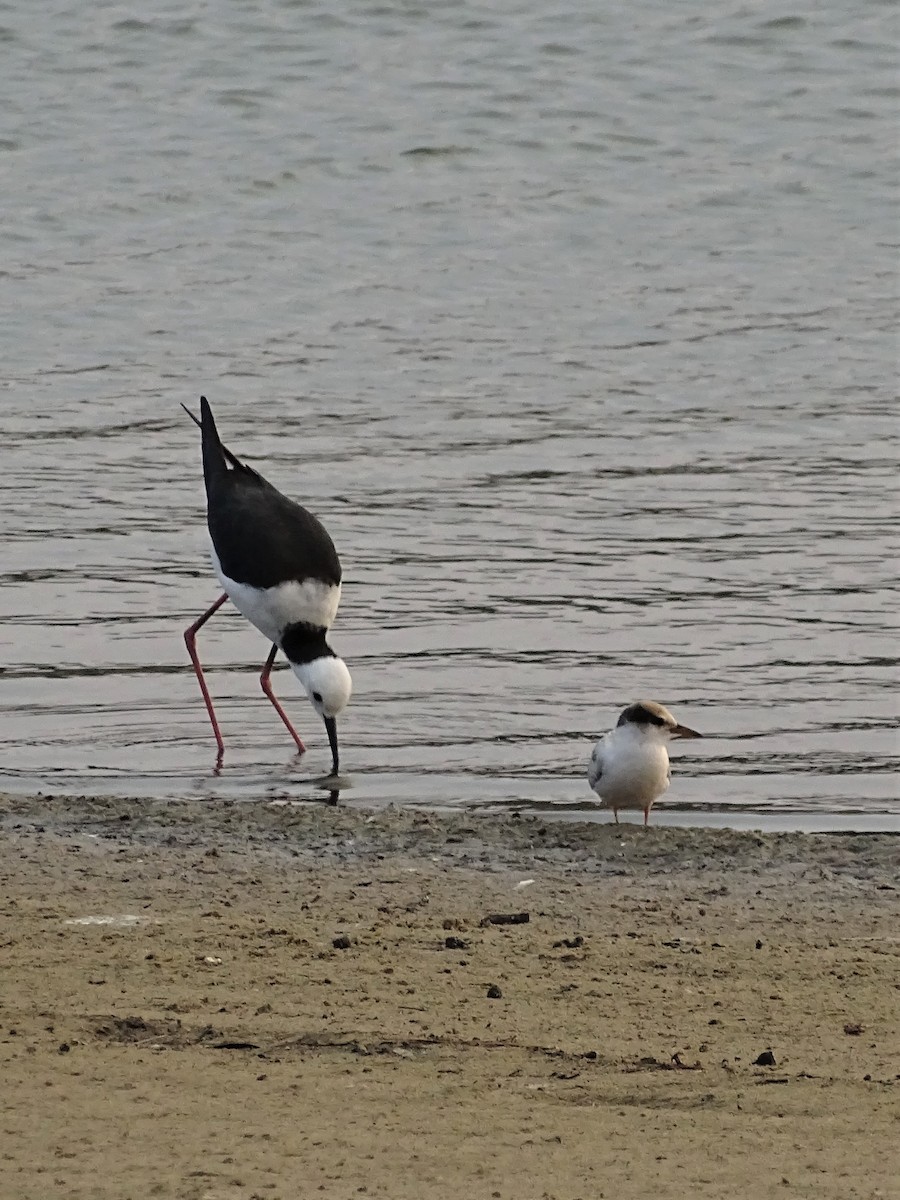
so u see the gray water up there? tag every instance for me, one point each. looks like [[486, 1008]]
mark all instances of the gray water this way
[[575, 324]]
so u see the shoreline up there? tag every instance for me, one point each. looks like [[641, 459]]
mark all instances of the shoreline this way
[[468, 838], [209, 1000]]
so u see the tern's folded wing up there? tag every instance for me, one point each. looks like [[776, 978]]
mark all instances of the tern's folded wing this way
[[595, 766]]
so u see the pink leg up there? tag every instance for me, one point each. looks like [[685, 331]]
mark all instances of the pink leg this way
[[646, 816], [190, 640], [267, 688]]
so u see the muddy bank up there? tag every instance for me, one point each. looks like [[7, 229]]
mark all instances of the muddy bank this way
[[218, 1001]]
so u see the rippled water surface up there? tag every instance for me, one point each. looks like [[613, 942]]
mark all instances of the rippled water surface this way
[[576, 326]]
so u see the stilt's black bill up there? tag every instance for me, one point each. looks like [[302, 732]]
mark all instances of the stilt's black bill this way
[[331, 726]]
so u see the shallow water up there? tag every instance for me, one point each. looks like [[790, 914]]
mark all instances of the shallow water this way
[[578, 331]]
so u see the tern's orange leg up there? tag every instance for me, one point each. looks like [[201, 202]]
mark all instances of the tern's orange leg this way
[[267, 688], [190, 640]]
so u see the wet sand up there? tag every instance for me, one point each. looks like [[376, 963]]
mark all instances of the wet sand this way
[[208, 1001]]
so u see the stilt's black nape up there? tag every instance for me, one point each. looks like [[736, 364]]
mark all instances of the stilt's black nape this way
[[331, 727]]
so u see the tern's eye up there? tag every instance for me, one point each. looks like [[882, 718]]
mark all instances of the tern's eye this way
[[317, 696]]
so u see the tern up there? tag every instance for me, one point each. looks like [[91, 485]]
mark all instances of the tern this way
[[629, 767], [278, 566]]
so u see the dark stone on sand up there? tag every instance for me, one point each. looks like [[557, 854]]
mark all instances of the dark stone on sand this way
[[519, 918]]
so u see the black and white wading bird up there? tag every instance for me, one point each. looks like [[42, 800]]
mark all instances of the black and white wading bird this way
[[279, 567], [629, 768]]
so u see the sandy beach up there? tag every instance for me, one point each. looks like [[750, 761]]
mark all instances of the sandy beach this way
[[207, 1001]]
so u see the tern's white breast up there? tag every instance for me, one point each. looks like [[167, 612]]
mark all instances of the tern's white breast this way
[[633, 770], [271, 610]]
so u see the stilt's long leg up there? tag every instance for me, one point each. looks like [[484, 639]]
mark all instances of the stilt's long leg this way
[[190, 640], [267, 688]]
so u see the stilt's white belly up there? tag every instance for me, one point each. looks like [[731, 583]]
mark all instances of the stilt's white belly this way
[[271, 610]]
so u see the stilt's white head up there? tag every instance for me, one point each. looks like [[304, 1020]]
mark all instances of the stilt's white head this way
[[327, 683]]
